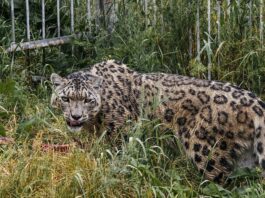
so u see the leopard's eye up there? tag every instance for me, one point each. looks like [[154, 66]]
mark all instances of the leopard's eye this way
[[65, 99], [89, 101]]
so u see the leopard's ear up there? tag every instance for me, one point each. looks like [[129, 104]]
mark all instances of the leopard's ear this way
[[98, 83], [57, 80], [55, 103], [95, 81]]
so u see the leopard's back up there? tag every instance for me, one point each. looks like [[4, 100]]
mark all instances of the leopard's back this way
[[216, 122]]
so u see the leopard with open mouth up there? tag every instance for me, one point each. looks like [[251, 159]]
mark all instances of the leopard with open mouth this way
[[217, 123]]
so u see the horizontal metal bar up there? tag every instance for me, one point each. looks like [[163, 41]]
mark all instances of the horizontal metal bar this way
[[42, 43], [38, 79]]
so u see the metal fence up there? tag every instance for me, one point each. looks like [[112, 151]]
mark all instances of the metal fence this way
[[32, 44], [153, 14]]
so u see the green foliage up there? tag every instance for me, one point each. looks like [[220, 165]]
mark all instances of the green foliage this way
[[2, 130], [8, 87], [152, 163]]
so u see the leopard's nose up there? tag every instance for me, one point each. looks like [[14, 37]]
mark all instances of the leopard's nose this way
[[76, 117]]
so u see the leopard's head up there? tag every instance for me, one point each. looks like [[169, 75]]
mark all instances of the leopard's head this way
[[79, 98]]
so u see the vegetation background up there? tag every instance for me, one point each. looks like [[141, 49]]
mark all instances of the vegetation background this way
[[158, 37]]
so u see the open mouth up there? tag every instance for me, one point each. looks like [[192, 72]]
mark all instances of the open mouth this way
[[74, 124]]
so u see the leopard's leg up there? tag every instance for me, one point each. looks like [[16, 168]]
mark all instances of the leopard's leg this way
[[259, 143], [115, 123], [209, 152], [212, 147]]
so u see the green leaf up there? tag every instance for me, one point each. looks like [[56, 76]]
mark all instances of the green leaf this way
[[2, 131], [244, 172], [215, 190]]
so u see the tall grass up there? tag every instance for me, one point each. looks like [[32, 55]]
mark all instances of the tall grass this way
[[151, 163]]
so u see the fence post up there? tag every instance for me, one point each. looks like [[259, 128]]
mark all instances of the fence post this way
[[218, 27], [190, 34], [97, 14], [209, 39], [113, 14], [250, 17], [43, 28], [261, 23], [228, 8], [28, 31], [72, 22], [228, 12], [198, 31], [88, 4], [72, 16], [58, 19], [155, 11], [13, 21], [13, 31], [146, 12], [161, 16], [109, 14]]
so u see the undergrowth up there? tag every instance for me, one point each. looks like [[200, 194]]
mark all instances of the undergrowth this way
[[149, 163]]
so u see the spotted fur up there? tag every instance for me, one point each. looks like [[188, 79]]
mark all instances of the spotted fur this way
[[216, 122]]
